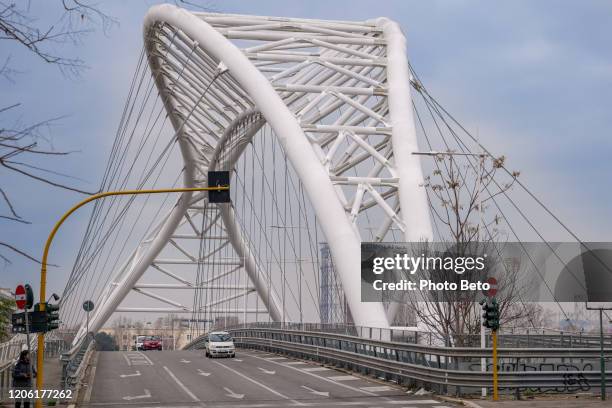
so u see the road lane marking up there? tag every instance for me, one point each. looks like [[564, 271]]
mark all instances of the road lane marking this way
[[378, 388], [205, 374], [91, 379], [145, 357], [263, 370], [185, 361], [127, 360], [136, 374], [275, 358], [296, 363], [265, 387], [147, 394], [343, 378], [320, 377], [313, 369], [232, 394], [180, 384], [315, 392], [415, 402]]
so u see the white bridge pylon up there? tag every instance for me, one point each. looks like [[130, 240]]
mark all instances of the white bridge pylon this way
[[336, 95]]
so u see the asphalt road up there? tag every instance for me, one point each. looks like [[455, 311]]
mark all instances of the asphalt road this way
[[252, 379]]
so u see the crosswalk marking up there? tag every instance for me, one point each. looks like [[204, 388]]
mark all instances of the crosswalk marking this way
[[137, 359]]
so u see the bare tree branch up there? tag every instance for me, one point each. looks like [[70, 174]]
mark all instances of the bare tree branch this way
[[77, 19], [18, 251], [5, 217], [8, 202], [23, 141], [25, 173]]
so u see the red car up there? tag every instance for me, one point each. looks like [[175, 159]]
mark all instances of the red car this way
[[152, 343]]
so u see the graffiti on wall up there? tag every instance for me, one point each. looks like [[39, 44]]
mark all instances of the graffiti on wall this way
[[573, 379]]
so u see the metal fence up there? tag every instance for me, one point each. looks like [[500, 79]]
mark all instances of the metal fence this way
[[9, 352], [75, 361], [455, 370], [511, 337]]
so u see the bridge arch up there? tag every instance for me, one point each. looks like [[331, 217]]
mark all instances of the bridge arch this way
[[209, 86]]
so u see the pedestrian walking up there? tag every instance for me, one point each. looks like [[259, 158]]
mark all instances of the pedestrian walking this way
[[22, 378]]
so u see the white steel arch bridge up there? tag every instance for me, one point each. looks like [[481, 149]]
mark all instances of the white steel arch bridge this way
[[315, 121], [334, 95]]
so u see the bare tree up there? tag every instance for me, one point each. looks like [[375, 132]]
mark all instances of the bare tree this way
[[77, 18], [23, 145], [460, 191]]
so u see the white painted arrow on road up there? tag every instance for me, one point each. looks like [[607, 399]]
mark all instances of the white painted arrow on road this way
[[233, 394], [147, 394], [315, 392], [136, 374], [185, 361], [263, 370], [205, 374]]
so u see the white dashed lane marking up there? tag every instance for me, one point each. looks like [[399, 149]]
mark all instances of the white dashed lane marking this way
[[343, 378], [378, 388]]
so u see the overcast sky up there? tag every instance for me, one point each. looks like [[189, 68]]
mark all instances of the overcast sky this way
[[533, 79]]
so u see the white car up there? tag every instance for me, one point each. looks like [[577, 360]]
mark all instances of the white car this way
[[138, 343], [218, 344]]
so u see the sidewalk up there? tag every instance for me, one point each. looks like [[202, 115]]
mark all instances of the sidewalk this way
[[53, 374], [52, 380]]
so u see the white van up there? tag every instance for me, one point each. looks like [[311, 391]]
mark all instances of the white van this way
[[218, 344], [139, 342]]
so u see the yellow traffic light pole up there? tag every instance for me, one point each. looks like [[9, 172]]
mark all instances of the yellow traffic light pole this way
[[495, 390], [43, 269]]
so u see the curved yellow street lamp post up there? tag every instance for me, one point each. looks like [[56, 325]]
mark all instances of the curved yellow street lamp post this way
[[43, 268]]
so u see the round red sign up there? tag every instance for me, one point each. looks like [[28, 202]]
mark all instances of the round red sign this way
[[20, 297], [492, 287]]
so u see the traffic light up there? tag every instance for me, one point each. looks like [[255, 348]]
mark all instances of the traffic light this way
[[52, 312], [18, 323], [218, 179], [37, 321], [29, 296], [491, 314]]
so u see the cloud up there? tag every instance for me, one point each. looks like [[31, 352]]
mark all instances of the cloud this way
[[533, 77]]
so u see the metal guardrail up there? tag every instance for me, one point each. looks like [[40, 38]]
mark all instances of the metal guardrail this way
[[556, 369], [508, 337], [10, 350], [74, 362]]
